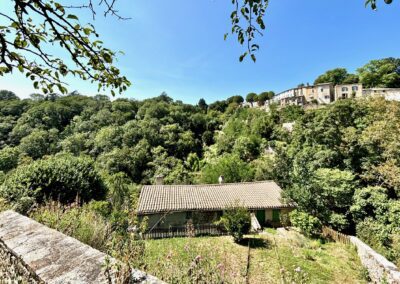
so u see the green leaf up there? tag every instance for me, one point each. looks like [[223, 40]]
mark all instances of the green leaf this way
[[242, 56], [87, 31], [107, 58], [72, 17]]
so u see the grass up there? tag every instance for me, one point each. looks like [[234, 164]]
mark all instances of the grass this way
[[77, 222], [276, 256], [272, 255], [4, 205], [170, 259]]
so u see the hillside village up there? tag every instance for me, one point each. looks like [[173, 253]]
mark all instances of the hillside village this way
[[323, 94]]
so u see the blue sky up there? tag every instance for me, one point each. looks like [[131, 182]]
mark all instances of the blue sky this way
[[177, 46]]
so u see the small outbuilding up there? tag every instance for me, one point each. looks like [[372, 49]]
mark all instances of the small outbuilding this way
[[169, 206]]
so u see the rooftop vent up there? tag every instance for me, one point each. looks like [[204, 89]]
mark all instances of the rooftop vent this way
[[159, 180]]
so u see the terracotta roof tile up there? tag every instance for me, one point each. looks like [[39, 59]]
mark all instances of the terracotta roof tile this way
[[209, 197]]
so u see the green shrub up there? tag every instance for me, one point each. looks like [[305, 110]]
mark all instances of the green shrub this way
[[100, 207], [377, 235], [8, 158], [78, 222], [381, 237], [237, 221], [3, 205], [119, 221], [285, 219], [309, 225], [61, 178]]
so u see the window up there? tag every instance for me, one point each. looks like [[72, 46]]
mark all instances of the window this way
[[326, 97], [354, 88], [345, 89], [322, 89], [188, 215]]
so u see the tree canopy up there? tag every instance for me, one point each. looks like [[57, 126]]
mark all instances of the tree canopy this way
[[335, 76], [383, 72]]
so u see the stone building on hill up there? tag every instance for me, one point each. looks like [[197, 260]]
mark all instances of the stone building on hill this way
[[326, 93]]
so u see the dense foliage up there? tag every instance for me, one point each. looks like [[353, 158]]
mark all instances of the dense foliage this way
[[306, 223], [62, 177], [376, 73], [340, 164], [237, 221]]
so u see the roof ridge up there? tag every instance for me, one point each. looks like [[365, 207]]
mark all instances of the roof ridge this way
[[212, 184]]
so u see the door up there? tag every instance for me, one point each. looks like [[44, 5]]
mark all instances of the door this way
[[276, 215], [261, 217]]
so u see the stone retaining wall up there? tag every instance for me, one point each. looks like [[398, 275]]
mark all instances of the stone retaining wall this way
[[33, 253], [12, 268], [379, 268]]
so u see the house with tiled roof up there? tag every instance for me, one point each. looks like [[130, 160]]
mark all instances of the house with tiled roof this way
[[174, 205]]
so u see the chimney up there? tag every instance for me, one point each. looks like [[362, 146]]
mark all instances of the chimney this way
[[221, 180], [159, 180]]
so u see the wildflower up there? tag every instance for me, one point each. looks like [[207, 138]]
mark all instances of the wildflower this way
[[298, 269], [197, 259]]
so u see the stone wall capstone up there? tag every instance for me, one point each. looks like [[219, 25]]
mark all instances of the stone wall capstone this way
[[380, 269], [33, 253]]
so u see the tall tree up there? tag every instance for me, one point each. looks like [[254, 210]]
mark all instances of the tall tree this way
[[202, 104], [351, 79], [8, 95], [251, 98], [335, 76], [235, 99], [264, 96], [381, 73]]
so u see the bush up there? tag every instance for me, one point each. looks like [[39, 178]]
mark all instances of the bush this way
[[100, 207], [61, 178], [237, 221], [78, 222], [375, 234], [285, 219], [309, 225], [381, 237], [8, 158]]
